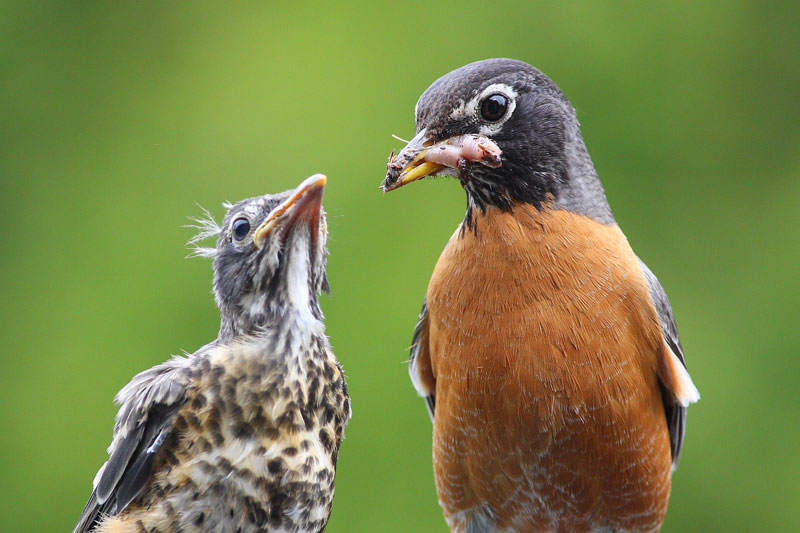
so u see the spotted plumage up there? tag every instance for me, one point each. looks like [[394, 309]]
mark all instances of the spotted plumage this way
[[546, 351], [242, 435]]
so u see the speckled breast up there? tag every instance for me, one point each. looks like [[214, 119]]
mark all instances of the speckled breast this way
[[256, 451]]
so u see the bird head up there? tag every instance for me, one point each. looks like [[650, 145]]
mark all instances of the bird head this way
[[508, 133], [269, 261]]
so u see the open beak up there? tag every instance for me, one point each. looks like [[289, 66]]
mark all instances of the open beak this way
[[422, 157], [305, 202]]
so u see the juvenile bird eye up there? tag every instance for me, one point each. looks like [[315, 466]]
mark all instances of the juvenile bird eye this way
[[240, 227], [494, 107]]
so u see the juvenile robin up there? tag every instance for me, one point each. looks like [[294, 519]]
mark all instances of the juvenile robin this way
[[242, 435], [546, 350]]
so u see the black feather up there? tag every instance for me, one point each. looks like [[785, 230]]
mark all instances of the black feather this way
[[422, 323], [117, 463], [430, 401], [137, 474], [675, 414], [129, 467], [89, 516]]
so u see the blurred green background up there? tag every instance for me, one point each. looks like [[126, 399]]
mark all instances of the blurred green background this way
[[117, 120]]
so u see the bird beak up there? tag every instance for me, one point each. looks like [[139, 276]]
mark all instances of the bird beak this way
[[422, 157], [410, 164], [305, 201]]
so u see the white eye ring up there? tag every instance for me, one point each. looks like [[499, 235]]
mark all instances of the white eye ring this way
[[506, 91]]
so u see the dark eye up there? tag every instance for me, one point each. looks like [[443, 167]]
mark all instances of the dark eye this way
[[240, 228], [494, 107]]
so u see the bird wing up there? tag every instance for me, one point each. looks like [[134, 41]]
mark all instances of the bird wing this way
[[145, 419], [419, 364], [675, 400]]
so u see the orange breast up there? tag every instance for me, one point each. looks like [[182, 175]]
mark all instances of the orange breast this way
[[544, 342]]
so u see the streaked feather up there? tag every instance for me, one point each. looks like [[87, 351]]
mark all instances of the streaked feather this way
[[149, 404]]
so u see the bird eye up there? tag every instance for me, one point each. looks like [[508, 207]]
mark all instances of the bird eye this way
[[240, 228], [494, 107]]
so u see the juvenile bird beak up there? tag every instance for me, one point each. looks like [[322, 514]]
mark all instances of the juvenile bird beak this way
[[422, 157], [305, 202]]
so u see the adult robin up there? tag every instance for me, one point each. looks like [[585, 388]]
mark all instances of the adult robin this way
[[546, 350], [242, 435]]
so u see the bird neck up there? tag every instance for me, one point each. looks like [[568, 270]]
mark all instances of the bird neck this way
[[287, 303], [581, 191], [565, 181], [293, 349]]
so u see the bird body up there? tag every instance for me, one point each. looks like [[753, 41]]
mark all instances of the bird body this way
[[247, 453], [241, 436], [546, 350]]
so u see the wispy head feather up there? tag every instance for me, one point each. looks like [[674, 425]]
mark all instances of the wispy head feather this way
[[207, 227]]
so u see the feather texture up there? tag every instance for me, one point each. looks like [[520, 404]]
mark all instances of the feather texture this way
[[545, 348], [149, 404], [207, 228]]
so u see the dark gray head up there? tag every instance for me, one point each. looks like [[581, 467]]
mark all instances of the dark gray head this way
[[505, 106], [269, 262]]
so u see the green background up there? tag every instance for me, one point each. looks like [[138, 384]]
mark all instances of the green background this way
[[116, 120]]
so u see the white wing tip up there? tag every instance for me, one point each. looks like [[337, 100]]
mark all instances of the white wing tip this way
[[678, 380]]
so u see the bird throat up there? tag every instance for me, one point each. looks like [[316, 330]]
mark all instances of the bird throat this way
[[287, 304]]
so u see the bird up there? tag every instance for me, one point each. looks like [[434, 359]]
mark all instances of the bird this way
[[242, 435], [546, 350]]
